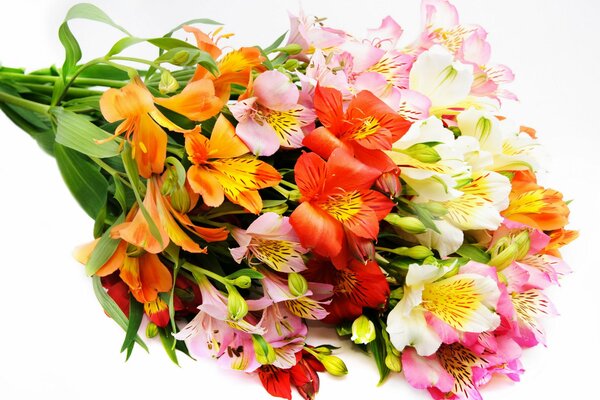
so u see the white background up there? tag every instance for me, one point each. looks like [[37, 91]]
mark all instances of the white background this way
[[55, 341]]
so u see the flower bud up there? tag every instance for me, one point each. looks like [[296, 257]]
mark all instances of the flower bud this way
[[389, 183], [236, 305], [265, 354], [436, 209], [291, 49], [363, 330], [167, 84], [323, 350], [392, 361], [170, 182], [334, 365], [423, 153], [243, 282], [408, 224], [151, 330], [291, 64], [418, 252], [502, 256], [180, 58], [180, 200], [523, 243], [297, 284]]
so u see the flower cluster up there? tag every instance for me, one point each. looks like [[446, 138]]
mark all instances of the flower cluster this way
[[370, 183]]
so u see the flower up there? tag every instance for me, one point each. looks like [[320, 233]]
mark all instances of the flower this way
[[270, 239], [338, 215], [355, 287], [223, 168], [142, 121], [272, 117], [168, 223], [433, 308], [364, 129]]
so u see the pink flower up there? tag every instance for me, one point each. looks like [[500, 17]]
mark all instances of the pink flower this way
[[271, 240], [272, 117], [285, 332]]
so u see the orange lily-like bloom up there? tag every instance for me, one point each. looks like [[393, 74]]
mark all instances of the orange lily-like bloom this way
[[145, 275], [339, 214], [169, 223], [534, 205], [223, 168], [142, 121], [234, 67]]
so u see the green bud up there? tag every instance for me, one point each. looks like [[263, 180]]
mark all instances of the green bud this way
[[180, 58], [334, 365], [392, 361], [170, 183], [502, 256], [265, 354], [180, 200], [151, 330], [436, 209], [294, 195], [291, 49], [323, 350], [236, 305], [419, 252], [297, 284], [363, 330], [291, 64], [408, 224], [167, 84], [243, 282], [423, 153]]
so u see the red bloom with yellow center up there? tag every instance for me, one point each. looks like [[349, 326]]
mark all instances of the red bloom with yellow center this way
[[223, 168], [135, 106], [367, 127], [355, 287], [339, 214]]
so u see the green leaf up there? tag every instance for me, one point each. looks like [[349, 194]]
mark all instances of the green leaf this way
[[132, 174], [83, 178], [101, 71], [77, 133], [425, 217], [379, 351], [104, 250], [246, 271], [72, 50], [169, 344], [112, 309], [190, 22], [136, 313], [24, 119], [120, 194], [92, 13], [275, 44], [474, 253], [164, 43]]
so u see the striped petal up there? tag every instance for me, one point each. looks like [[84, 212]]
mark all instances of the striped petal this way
[[530, 307]]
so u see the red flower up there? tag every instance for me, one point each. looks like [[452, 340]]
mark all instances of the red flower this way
[[359, 285], [339, 215], [303, 376], [366, 128]]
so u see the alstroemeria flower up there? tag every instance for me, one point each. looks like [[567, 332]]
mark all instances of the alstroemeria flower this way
[[271, 240], [432, 305], [234, 67], [145, 275], [365, 128], [278, 382], [272, 117], [309, 305], [223, 168], [354, 288], [536, 206], [142, 121], [285, 332], [169, 223], [339, 214], [306, 31], [212, 333]]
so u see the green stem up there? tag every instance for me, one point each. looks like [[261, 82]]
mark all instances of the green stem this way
[[40, 79], [289, 184], [73, 92], [115, 174], [282, 191], [199, 270], [140, 61], [27, 104]]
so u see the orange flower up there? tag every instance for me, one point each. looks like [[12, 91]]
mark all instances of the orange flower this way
[[223, 168], [234, 67], [145, 275], [558, 239], [142, 121], [168, 221], [535, 206]]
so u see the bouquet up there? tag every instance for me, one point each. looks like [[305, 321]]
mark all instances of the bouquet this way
[[372, 186]]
